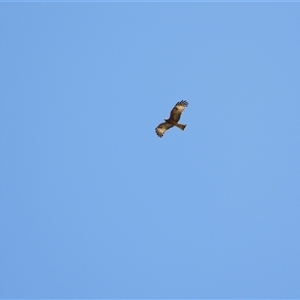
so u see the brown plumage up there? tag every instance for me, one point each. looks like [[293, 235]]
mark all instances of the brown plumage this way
[[173, 119]]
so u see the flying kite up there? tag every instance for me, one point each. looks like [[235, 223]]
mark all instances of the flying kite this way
[[173, 119]]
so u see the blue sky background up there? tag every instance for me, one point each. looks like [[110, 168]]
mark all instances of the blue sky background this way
[[95, 205]]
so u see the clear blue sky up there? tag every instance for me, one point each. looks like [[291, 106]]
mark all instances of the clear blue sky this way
[[95, 205]]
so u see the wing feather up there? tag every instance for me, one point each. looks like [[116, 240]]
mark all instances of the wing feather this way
[[162, 128], [177, 110]]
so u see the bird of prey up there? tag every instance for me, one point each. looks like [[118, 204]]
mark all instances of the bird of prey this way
[[173, 119]]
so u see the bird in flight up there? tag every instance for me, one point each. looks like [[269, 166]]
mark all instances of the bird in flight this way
[[173, 119]]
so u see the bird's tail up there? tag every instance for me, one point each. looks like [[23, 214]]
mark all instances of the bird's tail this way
[[181, 126]]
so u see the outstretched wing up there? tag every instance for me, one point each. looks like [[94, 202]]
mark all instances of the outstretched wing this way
[[177, 110], [162, 128]]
